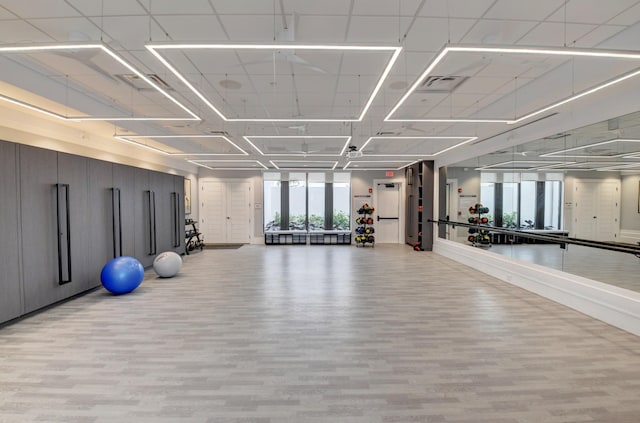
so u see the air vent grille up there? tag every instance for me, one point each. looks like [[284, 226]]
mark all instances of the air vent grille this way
[[440, 84], [139, 84]]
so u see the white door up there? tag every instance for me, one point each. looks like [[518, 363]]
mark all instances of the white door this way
[[597, 210], [225, 212], [387, 214]]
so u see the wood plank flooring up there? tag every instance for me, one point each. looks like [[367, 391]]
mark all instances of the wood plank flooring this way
[[318, 334]]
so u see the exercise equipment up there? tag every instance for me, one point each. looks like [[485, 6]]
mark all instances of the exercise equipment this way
[[122, 275], [167, 264]]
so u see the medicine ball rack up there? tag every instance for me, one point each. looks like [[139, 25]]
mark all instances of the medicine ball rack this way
[[365, 229], [479, 236]]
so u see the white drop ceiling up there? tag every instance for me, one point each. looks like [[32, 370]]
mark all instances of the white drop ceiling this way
[[292, 84]]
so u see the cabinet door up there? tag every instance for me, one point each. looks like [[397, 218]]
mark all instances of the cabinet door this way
[[10, 299], [162, 187], [103, 218], [72, 171], [124, 180], [145, 244], [178, 184], [38, 176]]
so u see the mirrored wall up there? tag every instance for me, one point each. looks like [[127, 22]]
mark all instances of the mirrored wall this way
[[582, 184]]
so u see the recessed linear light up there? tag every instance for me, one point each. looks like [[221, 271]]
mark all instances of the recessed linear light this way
[[112, 54], [495, 165], [131, 139], [248, 138], [465, 141], [273, 162], [200, 163], [535, 51], [153, 48], [582, 147], [405, 163]]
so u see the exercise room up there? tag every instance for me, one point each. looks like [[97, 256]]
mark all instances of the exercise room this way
[[296, 211]]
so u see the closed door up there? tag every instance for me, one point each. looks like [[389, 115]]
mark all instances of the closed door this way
[[387, 214], [597, 210], [224, 211]]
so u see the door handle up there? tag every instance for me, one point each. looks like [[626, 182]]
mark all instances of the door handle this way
[[67, 222], [387, 218], [116, 222]]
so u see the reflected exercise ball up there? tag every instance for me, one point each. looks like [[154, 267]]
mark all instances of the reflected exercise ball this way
[[167, 264], [122, 275]]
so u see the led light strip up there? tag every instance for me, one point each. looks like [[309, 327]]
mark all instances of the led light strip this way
[[112, 54], [379, 161], [548, 163], [535, 51], [131, 139], [248, 138], [154, 49], [466, 140], [302, 168], [200, 163], [582, 147]]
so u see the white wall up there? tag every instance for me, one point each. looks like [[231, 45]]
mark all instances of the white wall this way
[[629, 213]]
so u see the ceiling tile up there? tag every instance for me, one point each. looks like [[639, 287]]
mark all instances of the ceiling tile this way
[[108, 8], [69, 29], [39, 8], [172, 7], [193, 28], [132, 32], [553, 34], [321, 29], [249, 28], [431, 34], [497, 32], [21, 32], [531, 10], [243, 7], [375, 29], [456, 8], [315, 7], [591, 11], [598, 35], [629, 17], [5, 14], [385, 7]]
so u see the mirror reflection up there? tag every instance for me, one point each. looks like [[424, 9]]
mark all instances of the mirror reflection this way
[[582, 184]]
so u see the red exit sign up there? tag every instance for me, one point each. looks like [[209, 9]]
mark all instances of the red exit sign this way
[[389, 173]]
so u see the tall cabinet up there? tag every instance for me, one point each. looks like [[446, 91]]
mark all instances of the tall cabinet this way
[[10, 286], [64, 216]]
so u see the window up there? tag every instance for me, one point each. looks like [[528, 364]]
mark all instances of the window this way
[[528, 204], [297, 201], [272, 201], [487, 198], [341, 201], [553, 205], [309, 200], [510, 200]]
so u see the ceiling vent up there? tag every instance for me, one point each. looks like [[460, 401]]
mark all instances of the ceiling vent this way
[[139, 84], [557, 136], [440, 84], [386, 133]]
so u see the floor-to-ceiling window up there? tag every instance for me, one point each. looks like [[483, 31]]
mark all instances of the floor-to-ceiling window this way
[[300, 201]]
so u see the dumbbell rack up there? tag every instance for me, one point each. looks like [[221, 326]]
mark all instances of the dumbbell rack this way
[[365, 229], [479, 237]]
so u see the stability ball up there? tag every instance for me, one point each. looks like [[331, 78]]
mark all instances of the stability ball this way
[[122, 275], [167, 264]]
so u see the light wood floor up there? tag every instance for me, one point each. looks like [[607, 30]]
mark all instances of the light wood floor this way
[[318, 334]]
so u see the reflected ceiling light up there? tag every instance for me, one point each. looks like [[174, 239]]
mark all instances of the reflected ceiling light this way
[[248, 139], [465, 140], [111, 53], [131, 139], [582, 147], [273, 162], [500, 166], [201, 164], [155, 48], [404, 164], [612, 54]]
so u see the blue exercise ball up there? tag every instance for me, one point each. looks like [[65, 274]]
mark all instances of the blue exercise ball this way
[[122, 275]]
